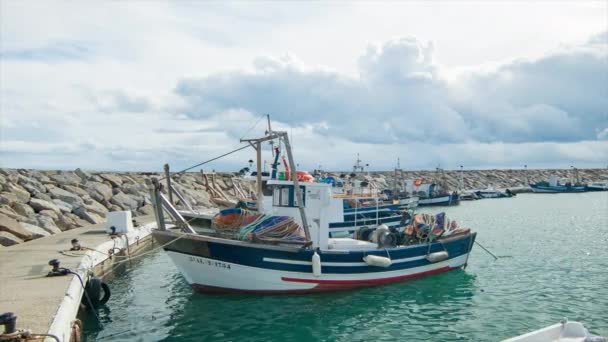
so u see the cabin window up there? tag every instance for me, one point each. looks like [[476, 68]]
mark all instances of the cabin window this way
[[276, 197], [284, 196]]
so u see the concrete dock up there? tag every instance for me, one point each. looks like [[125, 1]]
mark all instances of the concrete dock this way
[[50, 304]]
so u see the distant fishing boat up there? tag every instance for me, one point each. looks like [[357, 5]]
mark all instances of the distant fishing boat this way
[[290, 251], [494, 193], [468, 195], [597, 186], [569, 331], [554, 185], [435, 193]]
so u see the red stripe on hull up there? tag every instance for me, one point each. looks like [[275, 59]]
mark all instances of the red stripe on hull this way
[[367, 282], [322, 285]]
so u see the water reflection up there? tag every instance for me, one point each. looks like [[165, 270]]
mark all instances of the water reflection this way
[[433, 303]]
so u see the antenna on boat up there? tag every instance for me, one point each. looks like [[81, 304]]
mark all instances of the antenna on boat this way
[[271, 142]]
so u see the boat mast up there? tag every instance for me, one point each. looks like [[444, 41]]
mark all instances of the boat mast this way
[[294, 177], [257, 144]]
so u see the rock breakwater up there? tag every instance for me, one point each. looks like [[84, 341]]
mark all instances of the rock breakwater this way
[[35, 204]]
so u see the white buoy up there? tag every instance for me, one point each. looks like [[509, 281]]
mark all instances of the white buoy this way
[[437, 256], [316, 265], [375, 260]]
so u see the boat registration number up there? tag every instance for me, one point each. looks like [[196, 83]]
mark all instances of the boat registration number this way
[[213, 263]]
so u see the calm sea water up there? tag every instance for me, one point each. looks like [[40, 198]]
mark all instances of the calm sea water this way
[[553, 264]]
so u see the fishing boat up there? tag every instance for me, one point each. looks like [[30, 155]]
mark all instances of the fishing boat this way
[[439, 199], [436, 193], [563, 331], [555, 185], [290, 250], [494, 193], [597, 186], [468, 195]]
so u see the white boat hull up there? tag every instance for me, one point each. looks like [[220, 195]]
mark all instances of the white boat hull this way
[[209, 275], [561, 332]]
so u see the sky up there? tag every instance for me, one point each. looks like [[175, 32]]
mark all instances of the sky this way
[[132, 85]]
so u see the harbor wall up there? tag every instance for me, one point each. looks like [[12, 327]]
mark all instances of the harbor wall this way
[[497, 178], [35, 203]]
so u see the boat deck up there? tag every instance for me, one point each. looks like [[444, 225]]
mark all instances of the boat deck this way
[[26, 291]]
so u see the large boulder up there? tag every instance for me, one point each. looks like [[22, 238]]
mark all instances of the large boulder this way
[[77, 220], [10, 212], [82, 174], [40, 205], [113, 179], [126, 202], [36, 231], [22, 195], [50, 213], [75, 190], [67, 222], [134, 189], [8, 198], [95, 207], [45, 197], [40, 177], [31, 184], [88, 216], [8, 239], [47, 224], [23, 209], [66, 196], [63, 207], [99, 191], [10, 225], [147, 209], [96, 178], [66, 178]]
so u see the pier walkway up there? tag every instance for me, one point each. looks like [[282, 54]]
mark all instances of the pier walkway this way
[[50, 304]]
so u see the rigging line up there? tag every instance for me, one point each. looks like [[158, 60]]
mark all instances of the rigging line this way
[[252, 127], [208, 161]]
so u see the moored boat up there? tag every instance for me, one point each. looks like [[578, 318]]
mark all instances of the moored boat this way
[[290, 251], [554, 185], [564, 331], [440, 199], [597, 186], [494, 193]]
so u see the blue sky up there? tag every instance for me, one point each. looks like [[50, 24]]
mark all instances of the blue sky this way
[[132, 85]]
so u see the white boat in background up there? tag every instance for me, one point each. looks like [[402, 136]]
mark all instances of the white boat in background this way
[[493, 193], [564, 331], [597, 186]]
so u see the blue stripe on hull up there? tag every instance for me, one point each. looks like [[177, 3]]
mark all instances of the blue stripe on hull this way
[[359, 223], [373, 208], [254, 257], [557, 189], [450, 200]]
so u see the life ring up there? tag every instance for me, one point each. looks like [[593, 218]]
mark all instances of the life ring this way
[[418, 182]]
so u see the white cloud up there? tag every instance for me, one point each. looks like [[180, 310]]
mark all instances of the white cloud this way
[[175, 82]]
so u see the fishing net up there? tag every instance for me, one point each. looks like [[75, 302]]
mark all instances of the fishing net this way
[[246, 225]]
